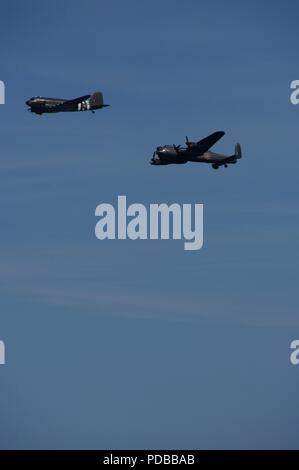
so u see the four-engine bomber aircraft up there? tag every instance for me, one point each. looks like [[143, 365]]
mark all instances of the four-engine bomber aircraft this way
[[196, 152], [40, 105]]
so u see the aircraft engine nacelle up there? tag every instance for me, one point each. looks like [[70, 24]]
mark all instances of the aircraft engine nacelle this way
[[84, 106]]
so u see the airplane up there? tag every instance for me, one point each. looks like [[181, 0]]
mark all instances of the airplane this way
[[40, 104], [196, 152]]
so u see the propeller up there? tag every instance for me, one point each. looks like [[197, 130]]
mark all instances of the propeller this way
[[176, 147], [188, 143]]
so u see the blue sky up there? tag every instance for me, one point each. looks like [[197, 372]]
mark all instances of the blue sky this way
[[123, 344]]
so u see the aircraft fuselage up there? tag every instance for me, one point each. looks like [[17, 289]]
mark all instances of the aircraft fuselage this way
[[40, 104], [172, 154]]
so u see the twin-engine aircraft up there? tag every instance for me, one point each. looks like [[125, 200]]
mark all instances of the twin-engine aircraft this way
[[40, 105], [196, 152]]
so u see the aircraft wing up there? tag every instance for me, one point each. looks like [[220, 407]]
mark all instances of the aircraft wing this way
[[71, 103], [208, 142]]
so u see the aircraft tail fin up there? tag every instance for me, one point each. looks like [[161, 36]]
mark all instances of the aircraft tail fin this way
[[238, 151], [97, 100]]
